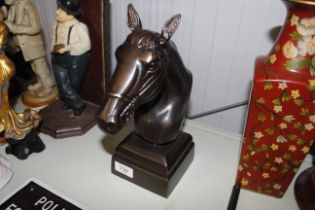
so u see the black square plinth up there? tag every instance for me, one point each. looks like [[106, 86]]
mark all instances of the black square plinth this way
[[157, 168]]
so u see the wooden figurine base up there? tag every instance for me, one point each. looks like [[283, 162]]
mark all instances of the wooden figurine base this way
[[157, 168], [60, 123], [31, 99], [304, 189]]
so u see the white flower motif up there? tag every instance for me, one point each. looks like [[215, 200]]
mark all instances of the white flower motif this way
[[277, 186], [305, 149], [312, 118], [277, 108], [292, 148], [307, 46], [311, 82], [265, 175], [309, 126], [244, 182], [258, 135], [295, 94], [278, 160], [282, 85], [274, 147], [306, 27]]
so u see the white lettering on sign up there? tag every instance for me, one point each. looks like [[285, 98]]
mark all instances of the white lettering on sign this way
[[46, 204], [124, 169], [13, 207]]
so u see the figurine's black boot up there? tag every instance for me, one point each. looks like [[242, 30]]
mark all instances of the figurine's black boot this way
[[65, 107], [78, 111], [24, 147]]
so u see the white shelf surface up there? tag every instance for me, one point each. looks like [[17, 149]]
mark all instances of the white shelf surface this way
[[80, 167]]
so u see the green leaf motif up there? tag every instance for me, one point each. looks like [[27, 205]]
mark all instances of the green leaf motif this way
[[286, 97], [288, 118], [292, 137], [261, 117], [300, 142], [272, 116], [295, 36], [296, 64], [276, 101], [255, 168], [250, 148], [298, 101], [281, 139], [246, 157], [298, 125], [268, 85], [277, 48], [271, 130], [260, 101], [312, 70], [305, 112], [286, 156], [266, 166], [264, 147], [311, 89], [287, 166]]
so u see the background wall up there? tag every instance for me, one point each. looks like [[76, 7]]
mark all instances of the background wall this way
[[218, 41]]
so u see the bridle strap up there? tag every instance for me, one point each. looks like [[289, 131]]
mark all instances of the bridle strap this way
[[120, 96]]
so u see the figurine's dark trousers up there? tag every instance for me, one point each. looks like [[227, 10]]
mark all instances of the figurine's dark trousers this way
[[69, 72]]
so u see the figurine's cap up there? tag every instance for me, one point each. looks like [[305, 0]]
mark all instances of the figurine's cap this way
[[71, 7]]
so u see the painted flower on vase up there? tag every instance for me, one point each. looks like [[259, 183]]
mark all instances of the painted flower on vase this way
[[312, 118], [306, 26], [294, 20], [289, 50], [306, 46], [282, 85], [295, 94], [272, 58]]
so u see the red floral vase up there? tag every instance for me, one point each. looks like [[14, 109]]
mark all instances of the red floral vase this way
[[280, 127]]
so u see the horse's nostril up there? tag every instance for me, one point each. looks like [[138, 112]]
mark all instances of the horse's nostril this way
[[110, 127]]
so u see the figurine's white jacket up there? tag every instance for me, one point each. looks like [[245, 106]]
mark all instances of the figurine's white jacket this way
[[79, 39], [27, 29]]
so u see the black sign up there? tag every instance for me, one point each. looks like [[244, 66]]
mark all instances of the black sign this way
[[35, 197]]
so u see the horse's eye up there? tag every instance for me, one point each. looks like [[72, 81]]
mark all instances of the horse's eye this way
[[153, 63]]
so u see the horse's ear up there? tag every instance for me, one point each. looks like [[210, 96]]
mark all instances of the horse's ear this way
[[169, 28], [134, 21]]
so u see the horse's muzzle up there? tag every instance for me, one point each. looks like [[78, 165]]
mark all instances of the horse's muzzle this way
[[109, 119], [108, 124]]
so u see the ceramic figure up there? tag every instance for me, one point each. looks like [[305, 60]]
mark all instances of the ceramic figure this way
[[23, 21], [70, 54]]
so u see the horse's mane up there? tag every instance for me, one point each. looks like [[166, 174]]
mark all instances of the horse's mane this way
[[144, 39]]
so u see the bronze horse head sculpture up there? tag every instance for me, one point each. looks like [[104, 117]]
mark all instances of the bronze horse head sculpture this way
[[150, 81]]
